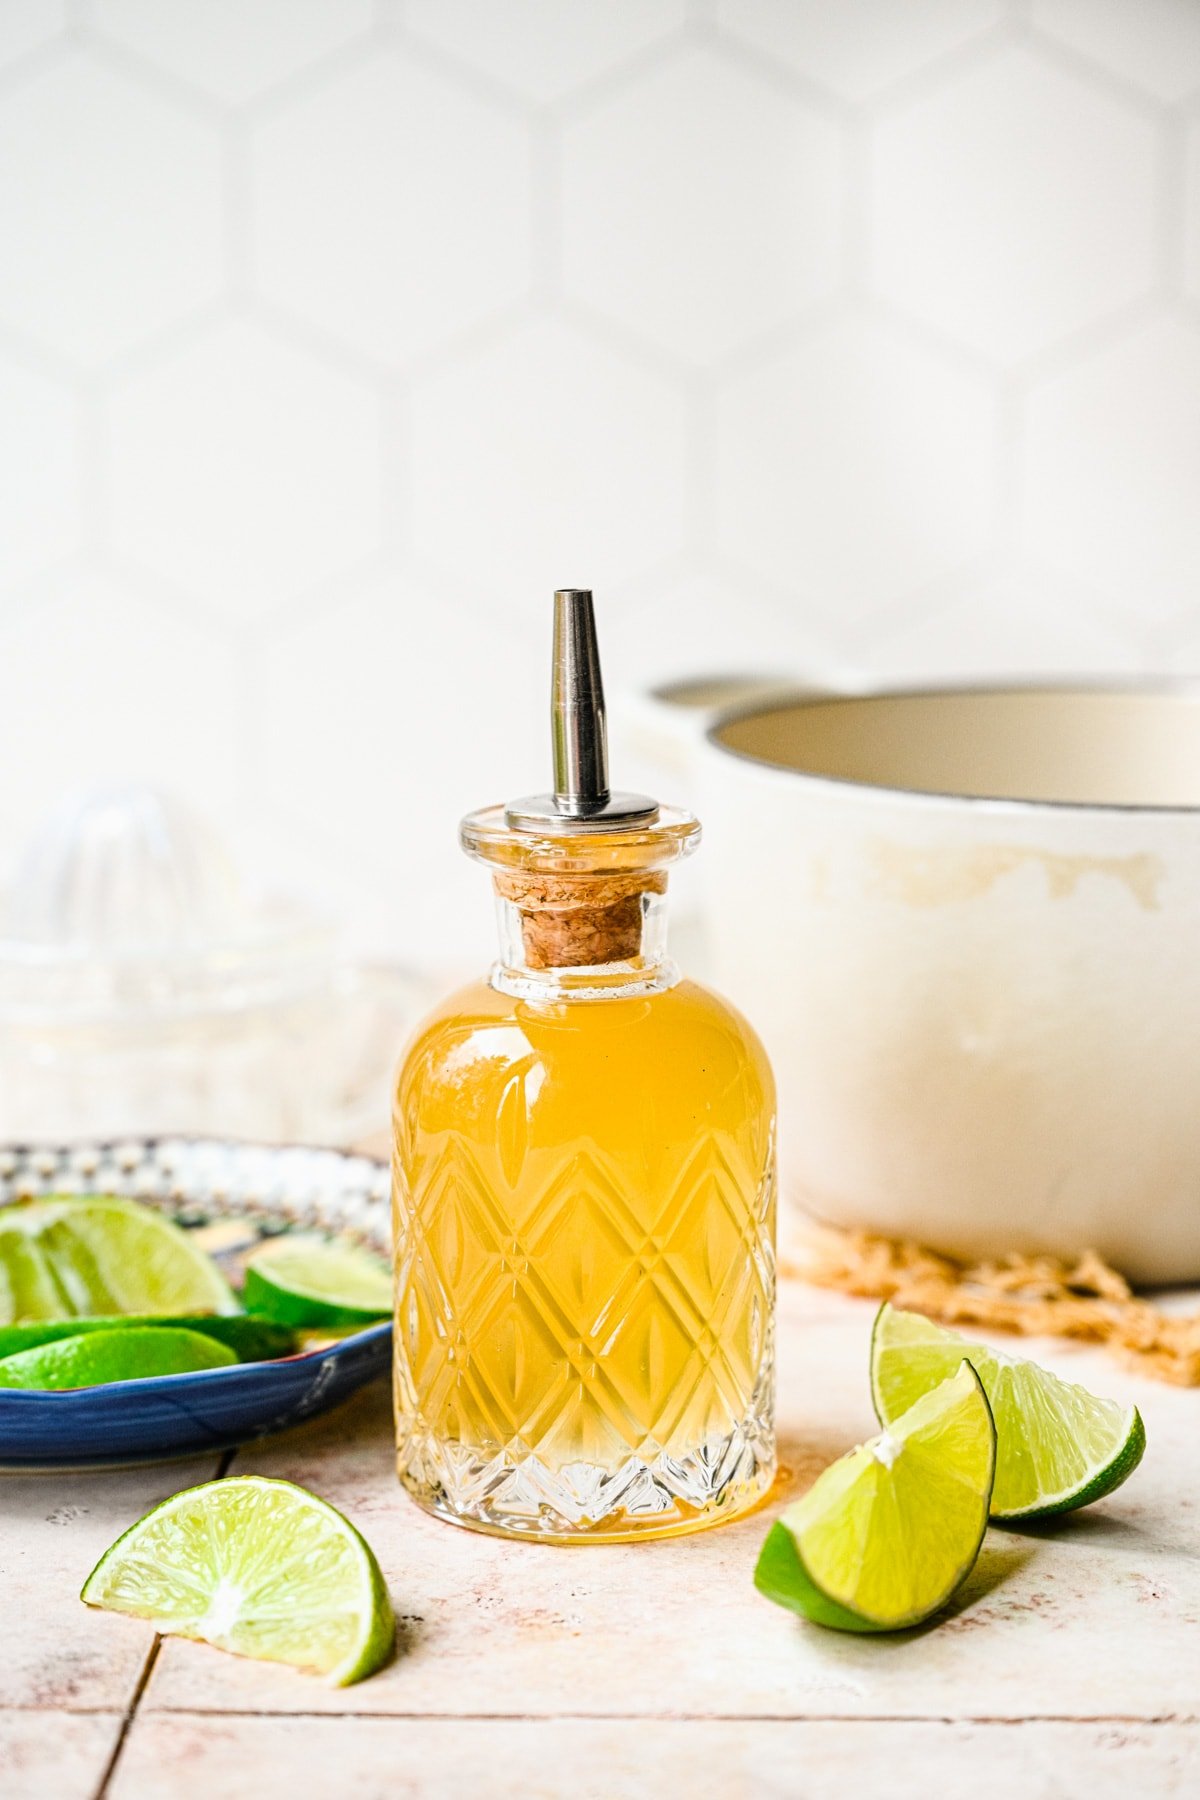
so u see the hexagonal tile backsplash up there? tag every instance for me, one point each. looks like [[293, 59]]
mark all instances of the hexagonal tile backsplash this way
[[857, 339]]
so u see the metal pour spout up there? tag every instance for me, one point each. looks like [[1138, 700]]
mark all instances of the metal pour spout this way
[[578, 722], [582, 799]]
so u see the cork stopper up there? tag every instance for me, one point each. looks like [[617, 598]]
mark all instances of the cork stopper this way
[[579, 921]]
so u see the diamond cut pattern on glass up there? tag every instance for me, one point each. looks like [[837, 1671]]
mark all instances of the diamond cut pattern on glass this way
[[578, 1210], [559, 1427]]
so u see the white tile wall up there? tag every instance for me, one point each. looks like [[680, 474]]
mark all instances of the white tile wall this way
[[855, 467], [546, 447], [243, 471], [1014, 206], [738, 231], [858, 48], [110, 209], [389, 208], [335, 334]]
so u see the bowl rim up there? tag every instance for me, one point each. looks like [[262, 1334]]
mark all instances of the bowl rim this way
[[799, 697]]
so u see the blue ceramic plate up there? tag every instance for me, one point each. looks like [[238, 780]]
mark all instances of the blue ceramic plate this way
[[232, 1195]]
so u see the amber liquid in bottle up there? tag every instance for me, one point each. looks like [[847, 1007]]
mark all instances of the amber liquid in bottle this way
[[584, 1216]]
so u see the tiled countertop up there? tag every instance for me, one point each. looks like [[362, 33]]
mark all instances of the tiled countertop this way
[[1070, 1663]]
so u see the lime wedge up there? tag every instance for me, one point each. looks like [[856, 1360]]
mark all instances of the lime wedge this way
[[1058, 1447], [305, 1280], [885, 1535], [67, 1256], [120, 1355], [251, 1340], [258, 1567]]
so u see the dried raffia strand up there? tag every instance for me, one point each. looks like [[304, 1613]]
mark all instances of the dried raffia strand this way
[[1035, 1296], [579, 921]]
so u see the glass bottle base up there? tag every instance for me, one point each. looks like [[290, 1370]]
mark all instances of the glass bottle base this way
[[583, 1503]]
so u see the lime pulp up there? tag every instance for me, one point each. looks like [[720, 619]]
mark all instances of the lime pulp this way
[[258, 1567], [304, 1280], [68, 1256], [887, 1533], [1059, 1447]]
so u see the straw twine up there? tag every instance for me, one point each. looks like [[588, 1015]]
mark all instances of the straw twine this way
[[1035, 1296]]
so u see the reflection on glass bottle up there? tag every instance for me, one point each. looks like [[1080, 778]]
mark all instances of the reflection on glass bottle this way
[[584, 1187]]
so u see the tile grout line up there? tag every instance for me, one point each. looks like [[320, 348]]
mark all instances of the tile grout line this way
[[1160, 1721], [110, 1768], [171, 1711]]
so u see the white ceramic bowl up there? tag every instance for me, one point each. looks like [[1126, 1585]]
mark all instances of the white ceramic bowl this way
[[966, 924]]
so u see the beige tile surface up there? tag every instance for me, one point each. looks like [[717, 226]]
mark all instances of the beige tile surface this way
[[1096, 1619], [1067, 1666], [394, 1759], [54, 1756], [53, 1528]]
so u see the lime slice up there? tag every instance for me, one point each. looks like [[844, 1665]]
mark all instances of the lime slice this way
[[251, 1340], [258, 1567], [67, 1256], [305, 1280], [121, 1355], [885, 1535], [1058, 1447]]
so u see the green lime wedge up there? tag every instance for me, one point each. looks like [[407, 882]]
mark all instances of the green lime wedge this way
[[70, 1256], [1058, 1447], [305, 1280], [258, 1567], [122, 1355], [885, 1535], [251, 1340]]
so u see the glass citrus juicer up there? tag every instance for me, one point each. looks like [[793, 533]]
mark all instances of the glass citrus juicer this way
[[146, 990], [584, 1184]]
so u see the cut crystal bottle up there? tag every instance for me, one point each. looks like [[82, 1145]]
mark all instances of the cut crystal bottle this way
[[584, 1187]]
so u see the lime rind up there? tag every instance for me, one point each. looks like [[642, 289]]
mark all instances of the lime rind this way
[[1060, 1447], [781, 1575], [251, 1340], [258, 1567], [887, 1533], [95, 1359]]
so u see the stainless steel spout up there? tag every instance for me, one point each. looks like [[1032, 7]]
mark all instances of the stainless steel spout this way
[[582, 799], [578, 722]]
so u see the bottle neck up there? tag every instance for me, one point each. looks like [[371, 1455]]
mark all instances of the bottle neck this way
[[589, 939], [583, 912]]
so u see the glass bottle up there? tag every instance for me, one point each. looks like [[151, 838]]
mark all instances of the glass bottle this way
[[584, 1186]]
